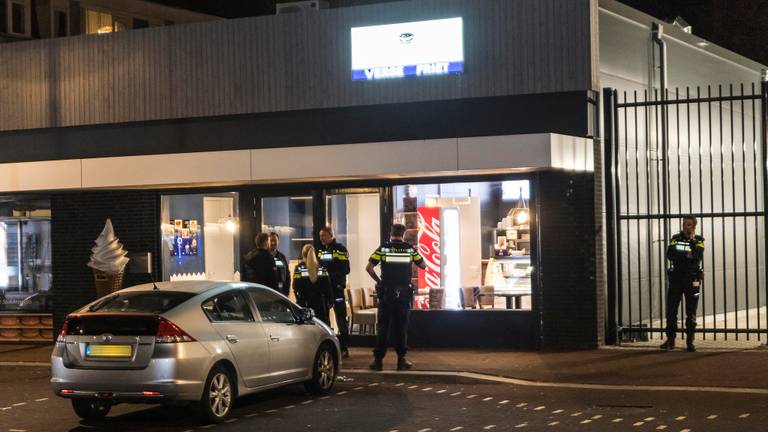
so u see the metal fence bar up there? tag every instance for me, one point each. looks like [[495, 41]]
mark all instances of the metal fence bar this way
[[704, 286], [685, 101], [744, 204], [763, 154], [757, 218]]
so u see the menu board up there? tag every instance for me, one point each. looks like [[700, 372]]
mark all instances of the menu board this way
[[185, 237]]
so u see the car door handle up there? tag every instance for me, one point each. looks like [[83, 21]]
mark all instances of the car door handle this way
[[232, 339], [274, 338]]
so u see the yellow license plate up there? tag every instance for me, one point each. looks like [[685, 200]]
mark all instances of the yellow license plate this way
[[110, 351]]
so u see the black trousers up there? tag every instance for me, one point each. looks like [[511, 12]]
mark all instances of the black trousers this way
[[679, 288], [340, 310], [392, 316], [318, 304]]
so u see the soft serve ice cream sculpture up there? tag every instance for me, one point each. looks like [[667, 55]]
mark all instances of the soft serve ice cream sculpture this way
[[108, 254]]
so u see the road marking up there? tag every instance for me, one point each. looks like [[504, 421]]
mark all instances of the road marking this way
[[661, 427], [271, 411], [457, 428], [425, 430], [358, 388], [522, 404], [681, 418], [649, 419], [324, 397], [373, 384], [597, 417], [521, 425], [455, 394], [426, 389], [289, 406], [504, 402], [413, 387], [441, 391], [394, 430], [341, 393], [539, 408], [40, 400], [207, 426], [17, 430], [487, 399], [585, 421], [399, 384], [489, 427], [638, 424], [712, 417], [251, 415], [576, 414], [745, 415], [19, 404], [554, 423], [557, 411], [685, 430], [307, 402], [471, 396], [5, 408], [231, 420], [617, 420]]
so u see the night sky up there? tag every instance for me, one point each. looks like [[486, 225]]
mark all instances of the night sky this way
[[739, 25]]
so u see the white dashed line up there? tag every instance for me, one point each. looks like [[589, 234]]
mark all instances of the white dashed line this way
[[341, 393], [504, 402], [425, 430], [455, 394], [394, 430], [19, 404], [617, 420], [597, 417], [231, 420], [638, 424], [681, 418], [358, 388], [413, 387], [554, 423], [685, 430], [487, 399], [306, 402], [5, 408], [585, 421], [745, 415], [521, 425], [661, 427], [539, 408], [712, 417], [648, 419], [576, 414], [399, 385], [426, 389], [251, 415], [520, 405], [441, 391], [17, 430], [40, 400], [324, 397], [207, 426], [558, 411], [489, 427], [457, 428], [289, 406], [471, 396], [188, 430], [271, 411], [373, 384]]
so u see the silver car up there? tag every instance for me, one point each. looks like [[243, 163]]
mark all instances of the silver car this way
[[172, 342]]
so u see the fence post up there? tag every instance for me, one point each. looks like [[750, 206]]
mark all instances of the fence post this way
[[763, 148], [609, 173]]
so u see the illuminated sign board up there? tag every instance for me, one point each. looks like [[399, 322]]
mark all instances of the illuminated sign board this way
[[418, 48]]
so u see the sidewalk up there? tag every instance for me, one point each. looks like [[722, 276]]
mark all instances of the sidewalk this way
[[647, 366]]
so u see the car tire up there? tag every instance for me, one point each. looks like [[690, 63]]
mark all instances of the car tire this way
[[218, 395], [91, 409], [323, 372]]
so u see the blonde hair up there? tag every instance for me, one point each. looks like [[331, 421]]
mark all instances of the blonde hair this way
[[310, 259]]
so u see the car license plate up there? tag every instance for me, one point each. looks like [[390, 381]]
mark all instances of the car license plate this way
[[108, 351]]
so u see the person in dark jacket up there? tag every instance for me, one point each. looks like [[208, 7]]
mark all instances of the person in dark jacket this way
[[259, 265], [686, 253], [281, 264], [335, 258], [312, 284]]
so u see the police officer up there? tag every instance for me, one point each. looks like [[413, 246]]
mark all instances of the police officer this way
[[312, 284], [334, 257], [686, 253], [259, 266], [395, 294], [283, 276]]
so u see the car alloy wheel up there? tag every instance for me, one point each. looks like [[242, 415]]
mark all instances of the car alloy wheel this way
[[220, 395], [325, 370]]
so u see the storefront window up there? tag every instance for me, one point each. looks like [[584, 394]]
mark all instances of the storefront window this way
[[199, 237], [476, 240], [355, 219], [291, 219]]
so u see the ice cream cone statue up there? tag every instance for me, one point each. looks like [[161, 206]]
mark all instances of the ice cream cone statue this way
[[108, 261]]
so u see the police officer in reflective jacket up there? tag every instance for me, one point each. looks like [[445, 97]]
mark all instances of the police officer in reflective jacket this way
[[395, 294], [312, 284], [282, 273], [335, 258], [686, 253]]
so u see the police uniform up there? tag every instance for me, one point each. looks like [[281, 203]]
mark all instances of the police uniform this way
[[395, 294], [685, 278], [335, 259], [316, 295], [282, 274]]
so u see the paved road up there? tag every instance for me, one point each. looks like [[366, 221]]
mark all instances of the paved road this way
[[390, 403]]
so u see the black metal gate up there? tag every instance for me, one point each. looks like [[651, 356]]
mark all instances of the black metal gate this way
[[699, 151]]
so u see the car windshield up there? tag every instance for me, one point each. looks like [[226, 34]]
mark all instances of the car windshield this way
[[141, 301]]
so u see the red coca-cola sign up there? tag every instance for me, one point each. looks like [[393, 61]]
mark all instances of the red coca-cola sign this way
[[429, 246]]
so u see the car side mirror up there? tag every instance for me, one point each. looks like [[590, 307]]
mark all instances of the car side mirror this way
[[307, 315]]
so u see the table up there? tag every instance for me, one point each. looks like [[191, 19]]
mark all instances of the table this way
[[509, 297]]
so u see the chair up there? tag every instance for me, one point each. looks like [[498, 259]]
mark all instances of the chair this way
[[437, 298], [369, 298], [360, 316], [468, 299], [486, 297]]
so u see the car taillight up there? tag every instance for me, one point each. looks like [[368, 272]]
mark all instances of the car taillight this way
[[168, 332], [63, 333]]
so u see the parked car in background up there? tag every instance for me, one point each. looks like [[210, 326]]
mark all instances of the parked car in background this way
[[199, 341]]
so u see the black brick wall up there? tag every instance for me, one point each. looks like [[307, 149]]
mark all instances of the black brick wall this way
[[570, 301], [77, 219]]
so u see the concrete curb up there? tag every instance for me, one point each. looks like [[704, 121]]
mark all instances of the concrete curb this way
[[27, 364], [476, 378]]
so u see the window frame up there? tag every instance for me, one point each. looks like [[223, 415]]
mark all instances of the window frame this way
[[26, 18], [54, 22], [243, 296], [294, 308]]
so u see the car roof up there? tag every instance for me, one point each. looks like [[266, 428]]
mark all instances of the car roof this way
[[194, 287]]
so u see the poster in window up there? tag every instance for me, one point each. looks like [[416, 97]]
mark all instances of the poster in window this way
[[185, 237]]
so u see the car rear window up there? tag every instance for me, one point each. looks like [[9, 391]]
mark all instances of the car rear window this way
[[141, 302]]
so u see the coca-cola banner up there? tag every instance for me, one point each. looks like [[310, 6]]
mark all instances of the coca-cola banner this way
[[429, 246]]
